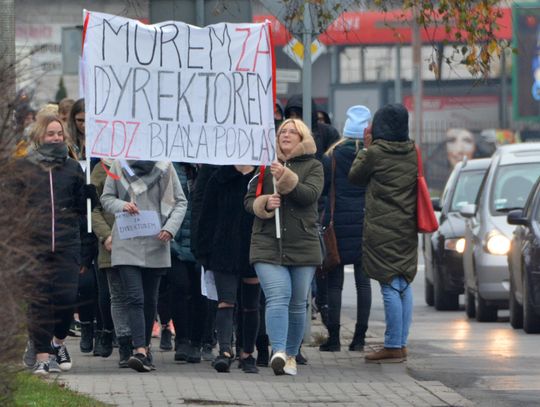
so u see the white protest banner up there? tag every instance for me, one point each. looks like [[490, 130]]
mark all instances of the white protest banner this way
[[145, 223], [173, 91]]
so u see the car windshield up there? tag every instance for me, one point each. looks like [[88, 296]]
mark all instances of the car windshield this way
[[512, 186], [466, 189]]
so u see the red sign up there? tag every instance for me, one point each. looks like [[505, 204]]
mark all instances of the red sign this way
[[377, 28]]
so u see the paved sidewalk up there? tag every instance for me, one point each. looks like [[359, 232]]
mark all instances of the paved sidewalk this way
[[330, 379]]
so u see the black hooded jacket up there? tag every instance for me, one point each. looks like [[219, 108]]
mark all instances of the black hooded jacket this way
[[324, 134]]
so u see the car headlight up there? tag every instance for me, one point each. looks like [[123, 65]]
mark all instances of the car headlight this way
[[457, 245], [497, 243]]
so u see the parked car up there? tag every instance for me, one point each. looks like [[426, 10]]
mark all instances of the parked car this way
[[524, 264], [512, 173], [443, 249]]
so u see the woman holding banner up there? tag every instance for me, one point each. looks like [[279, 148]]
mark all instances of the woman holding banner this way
[[152, 191], [285, 266]]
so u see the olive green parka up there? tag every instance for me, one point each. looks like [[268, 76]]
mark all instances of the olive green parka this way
[[390, 241], [300, 187]]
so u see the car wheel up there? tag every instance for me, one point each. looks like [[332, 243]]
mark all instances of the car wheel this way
[[444, 301], [531, 321], [516, 310], [428, 292], [484, 312], [470, 308]]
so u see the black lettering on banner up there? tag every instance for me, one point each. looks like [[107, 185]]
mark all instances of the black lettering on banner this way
[[212, 34], [116, 32], [228, 143], [155, 131], [108, 91], [266, 89], [162, 96], [253, 146], [250, 99], [237, 95], [264, 147], [181, 145], [206, 99], [189, 51], [217, 137], [221, 90], [189, 143], [161, 43], [121, 86], [144, 43], [182, 96], [139, 89], [202, 136], [242, 134], [113, 136]]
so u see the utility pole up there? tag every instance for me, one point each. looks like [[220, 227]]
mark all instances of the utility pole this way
[[417, 79], [306, 71]]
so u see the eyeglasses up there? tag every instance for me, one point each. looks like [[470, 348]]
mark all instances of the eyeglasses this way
[[291, 131]]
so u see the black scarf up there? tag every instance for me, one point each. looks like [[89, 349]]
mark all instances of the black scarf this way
[[141, 168], [49, 154]]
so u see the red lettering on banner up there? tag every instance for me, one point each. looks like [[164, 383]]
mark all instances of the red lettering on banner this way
[[94, 152], [114, 123], [238, 68], [258, 51], [137, 124]]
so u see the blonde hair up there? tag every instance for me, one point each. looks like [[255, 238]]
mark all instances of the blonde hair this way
[[40, 127], [331, 149], [49, 109], [300, 126]]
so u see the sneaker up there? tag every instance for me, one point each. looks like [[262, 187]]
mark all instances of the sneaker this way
[[53, 365], [106, 343], [87, 337], [194, 355], [165, 343], [41, 368], [222, 363], [29, 357], [207, 353], [385, 355], [62, 357], [150, 358], [290, 366], [140, 363], [98, 344], [277, 363], [182, 352], [248, 365]]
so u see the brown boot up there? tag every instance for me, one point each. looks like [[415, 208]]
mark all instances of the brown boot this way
[[404, 352], [385, 355]]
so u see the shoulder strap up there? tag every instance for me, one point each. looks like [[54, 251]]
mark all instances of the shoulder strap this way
[[333, 189]]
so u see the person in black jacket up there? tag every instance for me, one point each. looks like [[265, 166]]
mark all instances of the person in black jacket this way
[[325, 135], [224, 239], [55, 187], [348, 225]]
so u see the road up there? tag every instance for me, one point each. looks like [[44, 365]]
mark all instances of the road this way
[[490, 364]]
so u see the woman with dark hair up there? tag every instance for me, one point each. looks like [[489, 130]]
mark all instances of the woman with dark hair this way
[[142, 260], [388, 168], [76, 128], [55, 187]]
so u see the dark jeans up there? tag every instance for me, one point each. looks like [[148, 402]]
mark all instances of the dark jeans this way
[[87, 297], [141, 285], [55, 295], [104, 300], [334, 281], [181, 300]]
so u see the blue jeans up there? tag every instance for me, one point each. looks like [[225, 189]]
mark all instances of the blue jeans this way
[[286, 290], [398, 306], [119, 307]]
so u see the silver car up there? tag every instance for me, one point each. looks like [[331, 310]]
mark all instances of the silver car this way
[[513, 171]]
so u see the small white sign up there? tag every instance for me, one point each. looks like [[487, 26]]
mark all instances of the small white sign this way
[[145, 223], [208, 284], [288, 75]]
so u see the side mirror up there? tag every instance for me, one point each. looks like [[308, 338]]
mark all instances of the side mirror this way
[[468, 211], [436, 203], [515, 217]]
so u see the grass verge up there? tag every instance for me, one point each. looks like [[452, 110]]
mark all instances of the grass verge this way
[[33, 391]]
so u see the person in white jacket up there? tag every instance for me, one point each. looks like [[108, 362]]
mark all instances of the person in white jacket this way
[[135, 186]]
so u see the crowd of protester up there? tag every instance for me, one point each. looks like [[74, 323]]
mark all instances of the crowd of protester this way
[[218, 222]]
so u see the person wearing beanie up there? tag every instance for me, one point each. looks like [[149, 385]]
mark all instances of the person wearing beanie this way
[[388, 168], [348, 226]]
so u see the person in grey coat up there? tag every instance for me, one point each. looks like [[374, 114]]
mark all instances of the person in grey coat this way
[[141, 260]]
